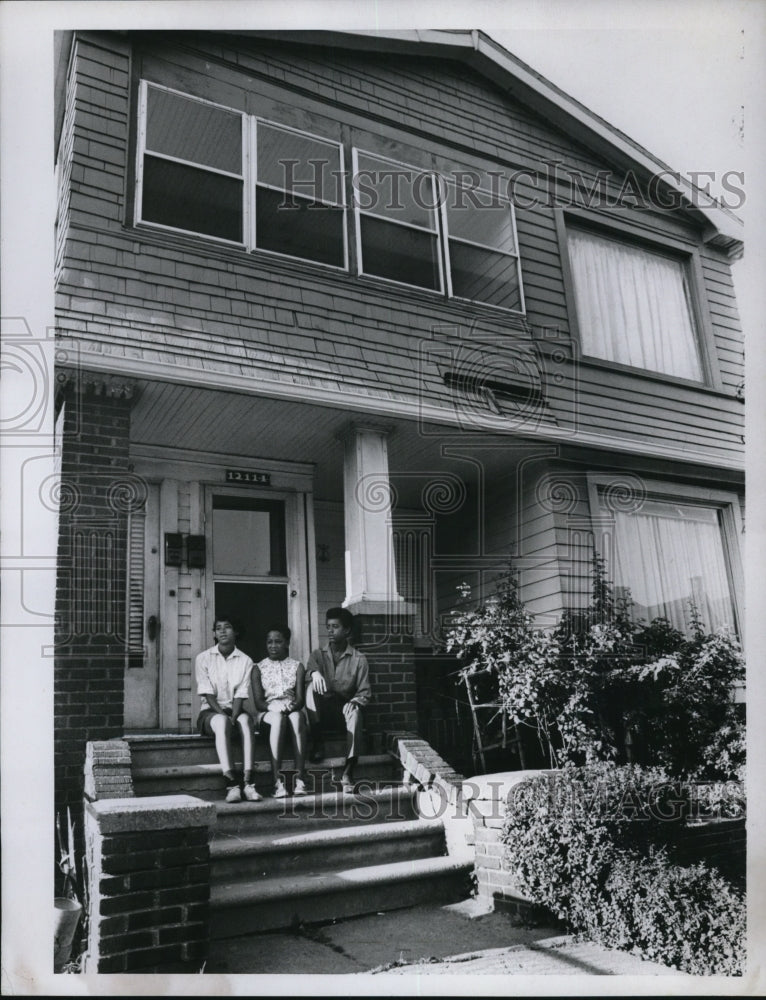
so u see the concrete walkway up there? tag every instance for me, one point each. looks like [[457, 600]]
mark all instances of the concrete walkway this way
[[425, 940]]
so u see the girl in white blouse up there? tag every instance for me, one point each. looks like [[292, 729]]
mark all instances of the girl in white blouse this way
[[278, 690]]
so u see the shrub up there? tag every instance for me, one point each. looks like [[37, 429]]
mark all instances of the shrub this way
[[603, 686], [689, 918], [587, 844]]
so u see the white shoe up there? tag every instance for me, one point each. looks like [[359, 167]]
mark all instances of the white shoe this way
[[234, 794], [280, 792], [347, 786], [300, 787], [251, 794]]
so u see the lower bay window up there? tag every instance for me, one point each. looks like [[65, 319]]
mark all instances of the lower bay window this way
[[672, 548]]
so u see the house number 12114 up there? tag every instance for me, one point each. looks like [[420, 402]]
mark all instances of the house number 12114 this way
[[245, 476]]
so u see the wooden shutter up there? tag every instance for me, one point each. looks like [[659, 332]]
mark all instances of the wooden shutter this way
[[134, 611]]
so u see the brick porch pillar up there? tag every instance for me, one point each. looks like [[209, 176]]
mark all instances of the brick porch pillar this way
[[387, 641], [384, 621], [97, 493]]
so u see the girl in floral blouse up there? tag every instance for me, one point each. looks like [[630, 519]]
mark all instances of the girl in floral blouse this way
[[278, 690]]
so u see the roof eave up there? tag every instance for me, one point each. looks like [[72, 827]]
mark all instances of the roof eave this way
[[722, 228]]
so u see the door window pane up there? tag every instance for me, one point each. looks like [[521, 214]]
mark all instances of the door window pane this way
[[248, 537]]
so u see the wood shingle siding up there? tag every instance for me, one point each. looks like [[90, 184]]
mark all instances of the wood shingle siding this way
[[189, 302]]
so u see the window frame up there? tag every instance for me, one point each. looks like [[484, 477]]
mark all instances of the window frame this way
[[666, 244], [358, 212], [440, 181], [248, 177], [141, 151], [725, 502], [255, 121], [516, 253]]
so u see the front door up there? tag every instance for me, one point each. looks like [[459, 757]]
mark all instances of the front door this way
[[258, 568]]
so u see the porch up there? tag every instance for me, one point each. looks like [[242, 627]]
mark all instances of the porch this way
[[279, 509]]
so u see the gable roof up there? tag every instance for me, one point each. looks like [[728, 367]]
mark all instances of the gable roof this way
[[723, 228]]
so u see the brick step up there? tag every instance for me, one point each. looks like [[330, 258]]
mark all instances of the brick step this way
[[192, 748], [236, 858], [331, 810], [241, 907], [206, 781]]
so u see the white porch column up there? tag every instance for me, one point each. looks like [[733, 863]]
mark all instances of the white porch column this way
[[370, 569]]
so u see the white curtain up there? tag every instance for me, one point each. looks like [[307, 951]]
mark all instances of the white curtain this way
[[632, 306], [669, 554]]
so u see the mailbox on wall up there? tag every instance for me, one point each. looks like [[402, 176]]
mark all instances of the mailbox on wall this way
[[174, 549], [195, 551]]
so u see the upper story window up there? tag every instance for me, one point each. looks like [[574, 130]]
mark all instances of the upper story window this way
[[299, 207], [482, 250], [218, 173], [633, 305], [212, 171], [397, 222], [190, 166]]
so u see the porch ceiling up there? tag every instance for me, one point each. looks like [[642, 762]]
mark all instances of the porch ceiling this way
[[245, 427]]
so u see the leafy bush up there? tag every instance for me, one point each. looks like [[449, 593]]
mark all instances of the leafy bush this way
[[587, 844], [603, 686]]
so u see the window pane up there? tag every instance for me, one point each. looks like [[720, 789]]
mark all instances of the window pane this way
[[241, 542], [309, 231], [399, 253], [632, 306], [670, 555], [298, 163], [188, 130], [484, 276], [473, 215], [195, 200], [390, 191], [248, 537]]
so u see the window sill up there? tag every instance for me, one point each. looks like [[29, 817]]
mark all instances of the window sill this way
[[650, 376]]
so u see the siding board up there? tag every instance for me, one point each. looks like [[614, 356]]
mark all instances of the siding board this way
[[206, 305]]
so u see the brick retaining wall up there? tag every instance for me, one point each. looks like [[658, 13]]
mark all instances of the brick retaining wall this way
[[148, 884], [719, 842]]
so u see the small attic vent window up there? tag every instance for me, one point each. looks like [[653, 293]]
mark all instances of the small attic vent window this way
[[496, 392]]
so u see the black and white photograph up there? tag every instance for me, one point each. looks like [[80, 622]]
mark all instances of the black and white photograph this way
[[377, 450]]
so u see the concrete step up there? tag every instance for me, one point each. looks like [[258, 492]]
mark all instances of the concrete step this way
[[332, 810], [206, 782], [241, 907], [236, 858], [156, 750]]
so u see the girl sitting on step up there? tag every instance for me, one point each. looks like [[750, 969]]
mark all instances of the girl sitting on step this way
[[278, 692]]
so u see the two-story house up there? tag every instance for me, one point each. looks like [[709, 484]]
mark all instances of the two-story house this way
[[346, 318]]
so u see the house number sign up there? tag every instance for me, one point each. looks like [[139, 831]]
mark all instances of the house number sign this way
[[246, 476]]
